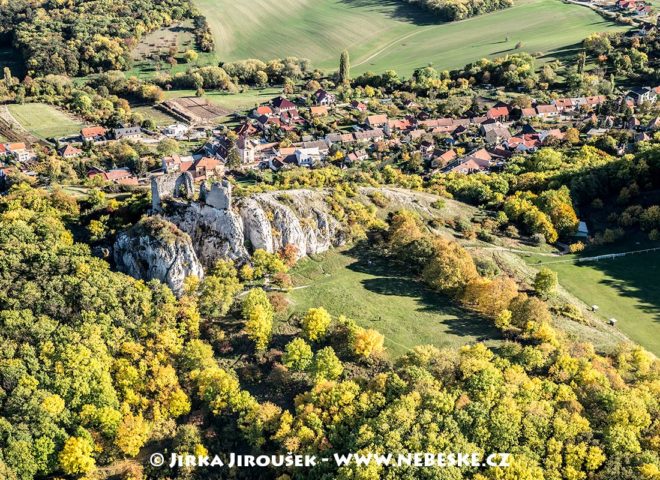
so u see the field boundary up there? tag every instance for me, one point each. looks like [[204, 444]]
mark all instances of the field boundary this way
[[606, 256]]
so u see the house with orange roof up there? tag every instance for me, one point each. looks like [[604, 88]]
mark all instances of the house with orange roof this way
[[69, 152], [19, 151], [93, 134]]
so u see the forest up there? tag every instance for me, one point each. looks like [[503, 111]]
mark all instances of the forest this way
[[453, 10], [78, 38]]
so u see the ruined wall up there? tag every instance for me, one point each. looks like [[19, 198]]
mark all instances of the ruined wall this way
[[171, 185], [219, 196]]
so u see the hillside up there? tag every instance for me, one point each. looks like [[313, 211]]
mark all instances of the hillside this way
[[391, 35]]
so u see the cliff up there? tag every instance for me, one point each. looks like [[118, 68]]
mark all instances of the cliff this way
[[265, 221], [192, 235], [156, 249]]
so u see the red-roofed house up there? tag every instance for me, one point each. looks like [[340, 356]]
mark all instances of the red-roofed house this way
[[69, 152], [375, 121], [500, 113], [19, 151], [93, 134], [359, 106], [262, 110], [441, 161], [119, 176], [564, 104], [319, 111], [282, 104], [547, 111]]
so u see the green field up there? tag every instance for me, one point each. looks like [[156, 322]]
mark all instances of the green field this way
[[148, 112], [236, 101], [43, 120], [625, 288], [365, 288], [391, 35]]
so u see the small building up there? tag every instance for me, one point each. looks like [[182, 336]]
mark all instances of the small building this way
[[359, 106], [582, 231], [93, 134], [321, 97], [176, 130], [69, 152], [19, 151], [306, 157], [375, 121], [127, 132], [642, 94]]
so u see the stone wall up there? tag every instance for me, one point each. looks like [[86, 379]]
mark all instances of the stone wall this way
[[219, 196], [171, 185]]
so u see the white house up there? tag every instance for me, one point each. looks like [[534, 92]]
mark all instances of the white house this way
[[176, 131], [305, 157]]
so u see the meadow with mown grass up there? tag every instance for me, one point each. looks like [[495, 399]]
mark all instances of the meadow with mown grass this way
[[392, 35]]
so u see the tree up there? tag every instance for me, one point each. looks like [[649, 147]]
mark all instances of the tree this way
[[450, 268], [326, 365], [526, 310], [167, 147], [489, 297], [76, 456], [258, 314], [297, 355], [367, 342], [545, 282], [132, 434], [344, 67], [315, 323], [218, 289], [191, 56]]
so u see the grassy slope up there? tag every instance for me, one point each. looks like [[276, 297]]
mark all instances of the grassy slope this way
[[44, 120], [624, 288], [383, 35], [367, 290]]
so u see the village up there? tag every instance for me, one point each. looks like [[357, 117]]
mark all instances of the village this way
[[300, 132]]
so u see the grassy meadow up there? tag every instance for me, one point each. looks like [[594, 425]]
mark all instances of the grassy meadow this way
[[624, 288], [232, 102], [382, 35], [44, 121], [368, 290]]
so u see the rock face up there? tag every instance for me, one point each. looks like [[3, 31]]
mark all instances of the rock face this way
[[192, 235], [156, 249], [267, 221]]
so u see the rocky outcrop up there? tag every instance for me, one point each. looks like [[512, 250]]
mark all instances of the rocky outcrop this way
[[221, 227], [267, 221], [156, 249], [215, 233]]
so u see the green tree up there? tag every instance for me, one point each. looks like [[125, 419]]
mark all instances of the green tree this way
[[326, 365], [76, 456], [297, 355], [344, 67], [315, 323], [545, 282], [258, 314]]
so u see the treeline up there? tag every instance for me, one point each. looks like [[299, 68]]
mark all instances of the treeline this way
[[228, 76], [451, 10], [203, 35], [78, 38]]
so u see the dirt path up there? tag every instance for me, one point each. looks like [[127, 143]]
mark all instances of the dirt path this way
[[390, 45]]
